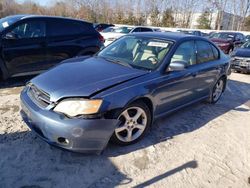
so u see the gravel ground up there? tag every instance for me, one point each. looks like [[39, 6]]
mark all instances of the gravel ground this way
[[201, 146]]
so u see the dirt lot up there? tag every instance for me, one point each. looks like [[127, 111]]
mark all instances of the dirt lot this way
[[201, 146]]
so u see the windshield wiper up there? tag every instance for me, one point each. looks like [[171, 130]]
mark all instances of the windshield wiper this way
[[116, 61]]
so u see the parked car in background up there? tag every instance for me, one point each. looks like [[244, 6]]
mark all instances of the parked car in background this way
[[117, 32], [101, 26], [247, 37], [84, 102], [189, 32], [228, 41], [31, 44], [240, 61], [109, 29]]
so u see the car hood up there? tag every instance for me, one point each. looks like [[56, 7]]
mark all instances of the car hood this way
[[217, 40], [84, 78], [242, 52]]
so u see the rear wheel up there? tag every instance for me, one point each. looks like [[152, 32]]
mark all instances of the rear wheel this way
[[135, 122], [217, 90]]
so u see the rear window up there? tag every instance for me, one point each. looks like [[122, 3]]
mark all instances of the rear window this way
[[215, 52], [62, 27], [205, 52]]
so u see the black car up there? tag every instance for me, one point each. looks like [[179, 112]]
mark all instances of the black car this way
[[240, 61], [101, 26], [30, 44]]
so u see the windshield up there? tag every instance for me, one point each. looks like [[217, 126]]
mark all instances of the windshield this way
[[109, 29], [246, 45], [137, 51], [7, 21], [223, 36], [124, 30]]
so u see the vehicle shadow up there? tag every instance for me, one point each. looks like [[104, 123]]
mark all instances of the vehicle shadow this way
[[26, 161], [190, 118], [190, 164]]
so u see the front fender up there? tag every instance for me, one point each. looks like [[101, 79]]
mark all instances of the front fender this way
[[120, 96]]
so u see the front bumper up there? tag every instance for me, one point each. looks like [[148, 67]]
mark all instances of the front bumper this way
[[79, 135], [240, 66]]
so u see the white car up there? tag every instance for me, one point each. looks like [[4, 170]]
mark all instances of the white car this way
[[112, 33]]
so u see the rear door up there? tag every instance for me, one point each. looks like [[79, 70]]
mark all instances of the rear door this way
[[25, 51], [66, 39], [208, 67]]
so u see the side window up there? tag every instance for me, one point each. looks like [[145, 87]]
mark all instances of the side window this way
[[143, 29], [237, 37], [62, 27], [215, 52], [186, 53], [138, 29], [204, 52], [242, 37], [30, 29]]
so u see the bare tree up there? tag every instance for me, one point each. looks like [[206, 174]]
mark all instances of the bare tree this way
[[244, 10]]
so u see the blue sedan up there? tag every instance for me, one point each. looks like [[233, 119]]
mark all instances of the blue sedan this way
[[85, 102]]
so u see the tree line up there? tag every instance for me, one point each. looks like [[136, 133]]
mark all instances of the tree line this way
[[164, 13]]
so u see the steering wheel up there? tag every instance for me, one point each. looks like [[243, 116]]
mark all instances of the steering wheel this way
[[153, 58]]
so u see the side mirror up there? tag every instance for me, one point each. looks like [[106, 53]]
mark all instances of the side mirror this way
[[10, 36], [177, 65]]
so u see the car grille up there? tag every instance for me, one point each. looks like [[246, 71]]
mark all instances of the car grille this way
[[39, 97], [239, 61]]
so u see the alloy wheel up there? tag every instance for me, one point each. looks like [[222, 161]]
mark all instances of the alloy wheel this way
[[133, 124], [218, 90]]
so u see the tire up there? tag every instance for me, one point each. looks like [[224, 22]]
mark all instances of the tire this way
[[132, 128], [217, 91]]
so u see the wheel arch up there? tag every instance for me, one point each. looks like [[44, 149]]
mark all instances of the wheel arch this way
[[224, 78], [144, 99]]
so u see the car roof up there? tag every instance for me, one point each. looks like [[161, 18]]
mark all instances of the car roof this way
[[26, 16], [228, 32], [173, 36]]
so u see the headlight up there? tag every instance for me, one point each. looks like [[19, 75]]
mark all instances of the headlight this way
[[75, 107]]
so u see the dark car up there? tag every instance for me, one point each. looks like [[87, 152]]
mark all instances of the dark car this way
[[84, 102], [247, 37], [30, 44], [228, 41], [240, 61], [101, 26]]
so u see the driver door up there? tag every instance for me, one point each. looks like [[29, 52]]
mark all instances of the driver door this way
[[24, 48], [178, 88]]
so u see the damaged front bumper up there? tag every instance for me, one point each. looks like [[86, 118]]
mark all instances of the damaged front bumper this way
[[78, 134]]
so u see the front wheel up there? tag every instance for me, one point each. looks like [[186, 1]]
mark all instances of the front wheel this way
[[217, 90], [135, 122]]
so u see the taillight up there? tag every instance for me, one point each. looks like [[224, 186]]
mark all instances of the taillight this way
[[101, 38]]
